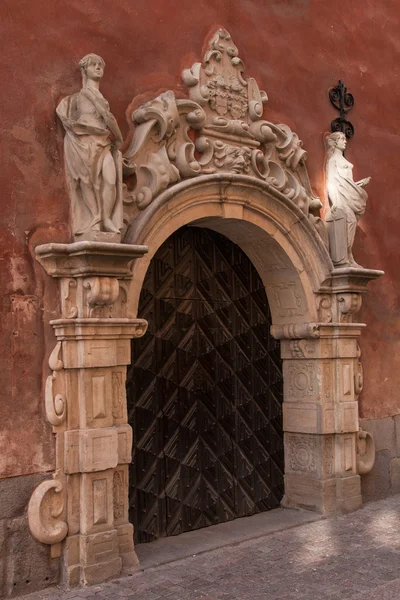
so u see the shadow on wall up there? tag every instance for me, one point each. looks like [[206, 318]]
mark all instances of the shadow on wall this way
[[384, 479], [25, 564]]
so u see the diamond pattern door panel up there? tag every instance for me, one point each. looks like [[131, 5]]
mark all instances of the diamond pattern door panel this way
[[204, 391]]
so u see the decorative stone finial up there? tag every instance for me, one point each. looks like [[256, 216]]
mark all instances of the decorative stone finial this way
[[93, 163], [347, 200]]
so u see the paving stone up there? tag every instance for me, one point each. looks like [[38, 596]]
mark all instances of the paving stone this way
[[349, 557]]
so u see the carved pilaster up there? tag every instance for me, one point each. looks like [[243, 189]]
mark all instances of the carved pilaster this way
[[320, 419], [85, 507], [325, 453]]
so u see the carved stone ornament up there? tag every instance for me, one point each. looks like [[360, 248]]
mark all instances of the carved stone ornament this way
[[347, 200], [365, 452], [93, 163], [45, 510], [56, 407], [220, 129]]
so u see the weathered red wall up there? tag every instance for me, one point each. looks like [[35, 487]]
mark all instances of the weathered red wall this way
[[296, 49]]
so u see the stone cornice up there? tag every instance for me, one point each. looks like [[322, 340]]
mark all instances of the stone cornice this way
[[87, 259], [349, 280]]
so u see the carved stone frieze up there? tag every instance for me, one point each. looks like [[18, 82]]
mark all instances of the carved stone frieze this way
[[302, 379], [298, 348], [120, 487], [118, 395], [288, 299], [301, 453]]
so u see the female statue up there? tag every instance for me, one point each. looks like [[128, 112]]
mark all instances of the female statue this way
[[93, 162], [347, 200]]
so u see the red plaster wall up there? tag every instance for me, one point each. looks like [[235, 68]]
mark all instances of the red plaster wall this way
[[296, 49]]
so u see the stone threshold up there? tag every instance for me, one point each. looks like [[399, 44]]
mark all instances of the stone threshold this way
[[170, 549]]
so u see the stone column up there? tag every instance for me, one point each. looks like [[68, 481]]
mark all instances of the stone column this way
[[83, 512], [322, 381]]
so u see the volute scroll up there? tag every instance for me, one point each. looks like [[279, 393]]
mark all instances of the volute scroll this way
[[365, 452], [45, 510]]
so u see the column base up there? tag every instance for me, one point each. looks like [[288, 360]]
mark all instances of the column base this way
[[126, 546], [326, 496], [91, 559]]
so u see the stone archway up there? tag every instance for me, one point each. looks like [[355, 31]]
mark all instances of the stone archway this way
[[209, 161], [311, 317]]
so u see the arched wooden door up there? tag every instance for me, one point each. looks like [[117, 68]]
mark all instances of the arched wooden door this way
[[204, 390]]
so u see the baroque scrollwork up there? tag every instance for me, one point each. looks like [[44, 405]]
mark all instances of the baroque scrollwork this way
[[218, 129], [69, 301], [55, 403], [325, 309], [358, 375], [100, 292], [348, 305], [365, 452], [55, 400], [45, 510]]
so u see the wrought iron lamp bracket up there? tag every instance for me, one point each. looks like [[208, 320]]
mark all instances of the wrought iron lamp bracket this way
[[343, 101]]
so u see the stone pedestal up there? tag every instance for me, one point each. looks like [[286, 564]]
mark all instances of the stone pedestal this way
[[83, 512]]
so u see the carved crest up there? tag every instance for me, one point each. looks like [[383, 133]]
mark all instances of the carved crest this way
[[218, 129]]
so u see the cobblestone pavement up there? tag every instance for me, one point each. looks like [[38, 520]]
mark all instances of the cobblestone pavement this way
[[350, 557]]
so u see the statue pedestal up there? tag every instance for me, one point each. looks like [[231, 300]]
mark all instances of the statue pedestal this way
[[99, 236]]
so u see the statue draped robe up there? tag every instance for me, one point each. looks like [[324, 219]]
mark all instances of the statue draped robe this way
[[348, 202], [86, 144]]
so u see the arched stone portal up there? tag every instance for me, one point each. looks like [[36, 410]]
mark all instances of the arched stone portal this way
[[310, 315], [208, 161]]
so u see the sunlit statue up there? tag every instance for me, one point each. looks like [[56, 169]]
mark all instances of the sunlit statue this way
[[347, 200], [93, 162]]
